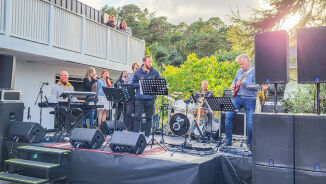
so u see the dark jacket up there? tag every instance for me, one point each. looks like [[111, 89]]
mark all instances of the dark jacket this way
[[141, 74], [88, 84]]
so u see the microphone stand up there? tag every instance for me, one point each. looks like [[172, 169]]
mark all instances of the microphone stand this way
[[40, 95]]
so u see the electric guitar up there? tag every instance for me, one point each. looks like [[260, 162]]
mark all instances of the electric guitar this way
[[235, 92]]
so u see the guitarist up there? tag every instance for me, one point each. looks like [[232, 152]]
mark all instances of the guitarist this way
[[245, 97]]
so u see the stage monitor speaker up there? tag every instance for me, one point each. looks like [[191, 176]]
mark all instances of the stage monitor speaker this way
[[129, 142], [310, 139], [3, 152], [9, 111], [273, 140], [272, 175], [304, 177], [7, 71], [311, 54], [86, 138], [271, 54], [238, 124], [26, 132], [107, 127]]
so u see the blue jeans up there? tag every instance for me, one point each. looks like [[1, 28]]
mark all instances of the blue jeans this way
[[91, 118], [249, 104]]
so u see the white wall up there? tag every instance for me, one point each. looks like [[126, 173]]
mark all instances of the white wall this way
[[28, 78]]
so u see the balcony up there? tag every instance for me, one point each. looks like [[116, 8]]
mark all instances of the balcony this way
[[69, 31]]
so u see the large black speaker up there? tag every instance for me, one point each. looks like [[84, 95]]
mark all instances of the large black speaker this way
[[7, 70], [238, 124], [273, 140], [304, 177], [310, 142], [26, 131], [86, 138], [311, 54], [272, 175], [8, 111], [128, 142], [107, 127], [3, 152], [271, 54]]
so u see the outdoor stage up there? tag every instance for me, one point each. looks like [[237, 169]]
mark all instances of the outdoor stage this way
[[155, 165]]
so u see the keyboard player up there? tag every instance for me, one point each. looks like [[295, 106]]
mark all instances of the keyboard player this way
[[61, 86]]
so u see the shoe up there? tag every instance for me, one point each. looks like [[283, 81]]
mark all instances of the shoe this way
[[227, 143]]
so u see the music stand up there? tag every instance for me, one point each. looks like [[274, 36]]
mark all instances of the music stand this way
[[219, 104], [115, 95], [154, 87]]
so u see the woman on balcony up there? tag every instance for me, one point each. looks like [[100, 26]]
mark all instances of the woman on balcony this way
[[123, 28]]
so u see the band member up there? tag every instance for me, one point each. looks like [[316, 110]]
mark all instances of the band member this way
[[122, 79], [61, 86], [244, 81], [144, 102], [88, 82], [201, 95], [130, 106], [102, 82]]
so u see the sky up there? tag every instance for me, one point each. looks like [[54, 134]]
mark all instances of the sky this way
[[186, 10]]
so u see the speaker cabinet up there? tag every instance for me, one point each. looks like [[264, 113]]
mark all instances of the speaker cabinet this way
[[3, 152], [310, 139], [304, 177], [86, 138], [271, 53], [7, 71], [238, 124], [26, 132], [9, 111], [107, 127], [272, 175], [311, 54], [273, 140], [129, 142]]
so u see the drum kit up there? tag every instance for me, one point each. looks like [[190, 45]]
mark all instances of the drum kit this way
[[190, 118]]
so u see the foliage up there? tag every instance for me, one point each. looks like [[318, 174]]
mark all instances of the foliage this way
[[302, 100], [223, 55], [190, 75]]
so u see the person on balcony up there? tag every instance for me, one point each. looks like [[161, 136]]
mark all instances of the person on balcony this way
[[111, 22], [123, 28]]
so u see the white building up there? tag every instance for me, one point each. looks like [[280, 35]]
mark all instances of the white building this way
[[45, 38]]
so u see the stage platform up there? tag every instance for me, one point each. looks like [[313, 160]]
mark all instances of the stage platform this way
[[157, 166]]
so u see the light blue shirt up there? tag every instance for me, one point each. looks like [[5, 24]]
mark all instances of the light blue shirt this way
[[249, 87], [101, 83]]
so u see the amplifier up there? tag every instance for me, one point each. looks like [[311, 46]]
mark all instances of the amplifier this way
[[11, 96]]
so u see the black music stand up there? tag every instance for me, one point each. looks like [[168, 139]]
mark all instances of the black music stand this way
[[220, 104], [115, 95], [154, 87]]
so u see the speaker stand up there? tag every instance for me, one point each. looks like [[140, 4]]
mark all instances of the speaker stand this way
[[318, 97], [275, 98]]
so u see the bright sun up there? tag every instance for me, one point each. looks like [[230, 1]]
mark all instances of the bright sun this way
[[290, 21]]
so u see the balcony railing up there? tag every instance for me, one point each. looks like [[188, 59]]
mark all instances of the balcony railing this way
[[46, 23]]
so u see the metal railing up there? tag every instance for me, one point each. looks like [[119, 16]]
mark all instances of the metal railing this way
[[44, 22]]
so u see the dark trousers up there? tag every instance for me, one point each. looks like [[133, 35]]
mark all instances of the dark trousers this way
[[119, 112], [130, 108], [148, 107]]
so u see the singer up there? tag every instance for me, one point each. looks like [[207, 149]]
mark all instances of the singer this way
[[144, 102]]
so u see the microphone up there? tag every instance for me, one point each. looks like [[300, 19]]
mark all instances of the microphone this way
[[190, 90], [45, 83]]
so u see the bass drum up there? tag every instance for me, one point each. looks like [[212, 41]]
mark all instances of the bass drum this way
[[179, 124]]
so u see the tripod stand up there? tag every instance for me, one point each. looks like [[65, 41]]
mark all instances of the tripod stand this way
[[181, 126], [219, 104], [154, 87], [40, 95]]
